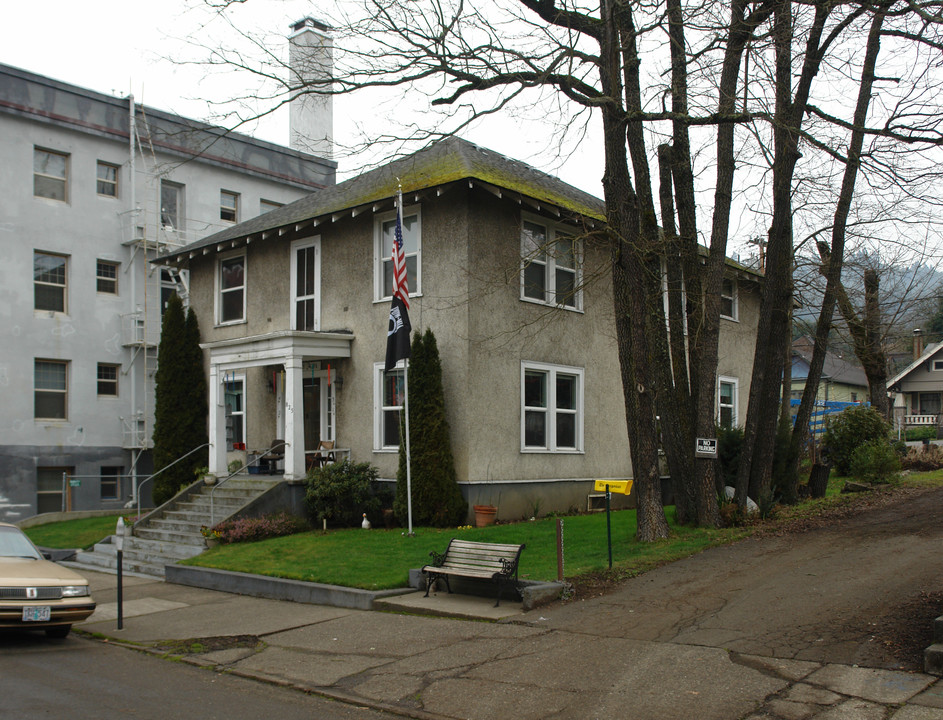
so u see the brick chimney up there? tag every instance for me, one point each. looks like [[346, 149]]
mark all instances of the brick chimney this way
[[918, 343], [311, 59]]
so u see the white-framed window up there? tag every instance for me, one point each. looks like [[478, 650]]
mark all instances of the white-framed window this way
[[106, 277], [551, 408], [388, 393], [171, 205], [50, 389], [268, 205], [228, 206], [551, 265], [384, 229], [727, 397], [234, 399], [50, 281], [728, 299], [50, 174], [306, 284], [231, 284], [106, 179], [938, 364]]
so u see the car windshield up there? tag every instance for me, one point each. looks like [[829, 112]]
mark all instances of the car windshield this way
[[13, 543]]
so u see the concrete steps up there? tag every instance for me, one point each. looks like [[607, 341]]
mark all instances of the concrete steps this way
[[933, 655], [173, 533]]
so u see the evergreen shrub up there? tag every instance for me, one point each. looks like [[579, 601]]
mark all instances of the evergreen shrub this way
[[342, 492], [875, 461], [849, 430]]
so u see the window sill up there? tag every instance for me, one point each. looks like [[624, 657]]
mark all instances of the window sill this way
[[545, 451], [388, 300], [230, 323], [533, 301]]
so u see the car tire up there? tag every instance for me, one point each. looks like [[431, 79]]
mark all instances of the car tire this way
[[59, 632]]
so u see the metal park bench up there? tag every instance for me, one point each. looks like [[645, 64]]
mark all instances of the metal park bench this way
[[496, 562]]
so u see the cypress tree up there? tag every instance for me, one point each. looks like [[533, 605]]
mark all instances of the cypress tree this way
[[437, 498], [180, 401]]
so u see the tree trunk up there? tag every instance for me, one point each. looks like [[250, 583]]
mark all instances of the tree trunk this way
[[631, 311]]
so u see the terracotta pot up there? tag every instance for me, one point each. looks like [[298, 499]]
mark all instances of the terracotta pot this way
[[485, 515]]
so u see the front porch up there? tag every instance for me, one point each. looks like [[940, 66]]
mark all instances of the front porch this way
[[292, 398]]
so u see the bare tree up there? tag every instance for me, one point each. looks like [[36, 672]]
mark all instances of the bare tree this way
[[711, 91]]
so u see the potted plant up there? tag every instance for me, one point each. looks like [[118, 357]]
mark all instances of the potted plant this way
[[210, 536], [204, 472]]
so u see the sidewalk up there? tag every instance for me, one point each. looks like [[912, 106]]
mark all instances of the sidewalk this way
[[558, 661]]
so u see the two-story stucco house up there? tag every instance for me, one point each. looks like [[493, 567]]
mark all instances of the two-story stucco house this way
[[503, 268]]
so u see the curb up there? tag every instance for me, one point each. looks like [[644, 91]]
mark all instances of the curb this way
[[277, 588]]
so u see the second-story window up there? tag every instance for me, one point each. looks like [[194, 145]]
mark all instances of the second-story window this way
[[412, 249], [228, 206], [106, 277], [232, 289], [171, 205], [551, 266], [728, 299], [305, 284], [50, 174], [107, 181], [50, 278]]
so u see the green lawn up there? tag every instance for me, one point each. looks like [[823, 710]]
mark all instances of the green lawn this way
[[73, 533], [379, 559]]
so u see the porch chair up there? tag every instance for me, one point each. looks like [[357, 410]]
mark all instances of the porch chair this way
[[271, 460]]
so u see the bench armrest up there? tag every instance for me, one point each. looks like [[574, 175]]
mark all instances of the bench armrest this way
[[438, 559]]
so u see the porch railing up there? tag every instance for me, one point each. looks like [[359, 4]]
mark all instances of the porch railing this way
[[920, 419]]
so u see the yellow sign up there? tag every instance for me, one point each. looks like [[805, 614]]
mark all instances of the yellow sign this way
[[623, 487]]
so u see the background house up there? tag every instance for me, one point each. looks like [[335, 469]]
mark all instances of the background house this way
[[93, 187], [503, 266], [843, 379], [919, 389]]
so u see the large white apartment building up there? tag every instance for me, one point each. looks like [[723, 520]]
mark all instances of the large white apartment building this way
[[93, 188]]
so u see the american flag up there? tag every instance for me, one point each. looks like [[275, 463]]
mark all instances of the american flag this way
[[400, 284]]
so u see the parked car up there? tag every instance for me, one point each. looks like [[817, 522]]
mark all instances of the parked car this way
[[36, 593]]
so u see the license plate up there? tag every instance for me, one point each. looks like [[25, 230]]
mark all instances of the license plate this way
[[37, 613]]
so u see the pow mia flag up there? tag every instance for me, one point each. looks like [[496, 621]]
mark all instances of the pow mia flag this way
[[397, 335]]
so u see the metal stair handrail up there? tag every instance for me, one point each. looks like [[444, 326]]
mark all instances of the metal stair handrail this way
[[141, 484], [236, 472]]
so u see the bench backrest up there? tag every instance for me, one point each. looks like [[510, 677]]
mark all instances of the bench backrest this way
[[481, 555]]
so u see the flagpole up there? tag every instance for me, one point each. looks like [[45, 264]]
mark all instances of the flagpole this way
[[409, 479]]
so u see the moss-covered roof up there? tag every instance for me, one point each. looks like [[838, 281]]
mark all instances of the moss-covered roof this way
[[446, 161]]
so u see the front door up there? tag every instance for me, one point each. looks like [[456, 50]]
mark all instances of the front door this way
[[312, 412]]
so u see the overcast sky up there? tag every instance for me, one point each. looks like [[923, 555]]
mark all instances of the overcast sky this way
[[121, 46]]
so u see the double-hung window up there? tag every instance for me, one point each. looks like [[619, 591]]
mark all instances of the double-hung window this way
[[110, 482], [728, 299], [50, 174], [171, 205], [50, 278], [727, 402], [107, 179], [551, 408], [107, 380], [388, 394], [232, 289], [412, 249], [551, 266], [50, 389], [305, 284], [106, 277], [228, 206]]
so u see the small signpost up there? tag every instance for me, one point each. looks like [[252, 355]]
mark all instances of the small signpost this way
[[623, 487]]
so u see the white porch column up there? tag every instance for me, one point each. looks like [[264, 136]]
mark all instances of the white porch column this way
[[217, 424], [294, 419]]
